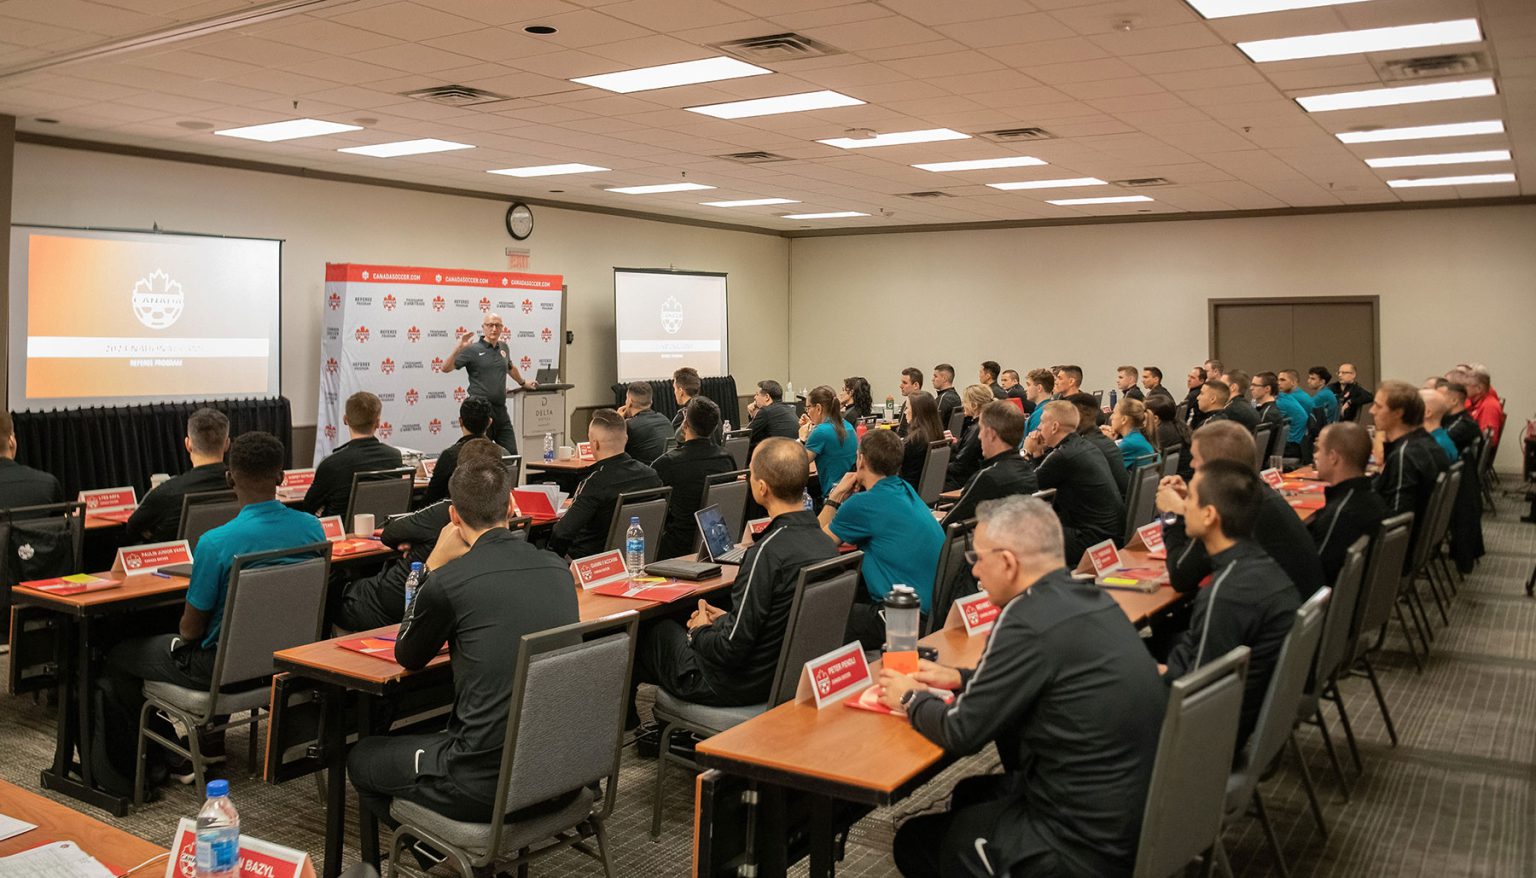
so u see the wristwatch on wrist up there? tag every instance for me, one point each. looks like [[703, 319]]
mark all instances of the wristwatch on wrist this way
[[832, 503], [906, 698]]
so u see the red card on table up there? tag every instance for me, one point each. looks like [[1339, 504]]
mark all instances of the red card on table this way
[[382, 647], [663, 592], [869, 700], [341, 548]]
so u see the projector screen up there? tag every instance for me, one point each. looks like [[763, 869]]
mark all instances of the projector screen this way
[[119, 318], [665, 320]]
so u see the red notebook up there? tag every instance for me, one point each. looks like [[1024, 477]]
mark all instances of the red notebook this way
[[663, 592], [380, 646], [76, 584], [869, 700], [1307, 502], [118, 515], [352, 547]]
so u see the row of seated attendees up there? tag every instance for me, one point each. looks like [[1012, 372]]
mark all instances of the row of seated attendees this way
[[1067, 657]]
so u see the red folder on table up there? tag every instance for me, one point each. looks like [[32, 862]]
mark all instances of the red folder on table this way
[[659, 590]]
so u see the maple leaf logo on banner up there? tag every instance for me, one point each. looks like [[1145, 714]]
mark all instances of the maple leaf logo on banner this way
[[527, 306], [435, 426], [385, 428], [437, 364], [438, 304], [525, 363], [330, 365], [330, 432], [334, 301], [546, 335], [387, 366], [485, 304], [411, 396], [459, 394], [361, 334], [413, 334], [389, 301]]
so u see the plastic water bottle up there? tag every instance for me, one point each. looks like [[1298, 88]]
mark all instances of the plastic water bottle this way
[[549, 447], [1114, 396], [810, 505], [412, 580], [901, 619], [634, 547], [789, 391], [890, 408], [726, 427], [218, 834]]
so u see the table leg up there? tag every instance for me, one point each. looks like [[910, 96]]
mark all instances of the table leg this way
[[64, 740], [769, 833], [83, 711], [367, 822], [335, 745], [823, 835]]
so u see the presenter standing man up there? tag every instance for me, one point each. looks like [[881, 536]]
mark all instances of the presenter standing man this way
[[489, 362]]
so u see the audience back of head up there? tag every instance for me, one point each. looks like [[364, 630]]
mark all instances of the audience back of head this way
[[207, 430], [881, 450], [1223, 440], [479, 492], [783, 466], [1006, 420], [362, 412]]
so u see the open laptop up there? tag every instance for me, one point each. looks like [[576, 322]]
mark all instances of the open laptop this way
[[719, 546], [549, 379]]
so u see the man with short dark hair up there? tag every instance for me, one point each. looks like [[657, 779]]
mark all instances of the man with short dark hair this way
[[1290, 385], [987, 375], [769, 415], [947, 396], [1008, 380], [1039, 387], [1458, 424], [1323, 398], [1152, 382], [158, 517], [875, 509], [21, 485], [1195, 381], [475, 422], [685, 469], [686, 386], [1125, 382], [1250, 601], [583, 529], [911, 381], [1296, 412], [1238, 408], [1087, 415], [1353, 508], [484, 589], [1410, 459], [1069, 380], [1261, 390], [1353, 398], [1213, 399], [1087, 500], [331, 490], [1003, 472], [648, 429]]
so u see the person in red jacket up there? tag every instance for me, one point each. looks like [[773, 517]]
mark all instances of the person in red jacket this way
[[1484, 405]]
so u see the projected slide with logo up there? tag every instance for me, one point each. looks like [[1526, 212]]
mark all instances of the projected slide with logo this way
[[116, 318], [665, 320]]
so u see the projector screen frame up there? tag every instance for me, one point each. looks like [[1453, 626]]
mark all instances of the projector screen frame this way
[[11, 403], [726, 296]]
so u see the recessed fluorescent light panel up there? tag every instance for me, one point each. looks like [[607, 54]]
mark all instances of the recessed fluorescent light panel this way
[[659, 188], [749, 202], [1424, 132], [797, 103], [668, 75], [896, 138], [292, 129], [1228, 8], [1471, 180], [839, 214], [1390, 97], [549, 170], [1050, 184], [406, 147], [1116, 199], [1013, 161], [1444, 158], [1376, 39]]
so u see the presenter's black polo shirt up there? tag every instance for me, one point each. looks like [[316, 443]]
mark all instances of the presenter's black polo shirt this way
[[487, 367]]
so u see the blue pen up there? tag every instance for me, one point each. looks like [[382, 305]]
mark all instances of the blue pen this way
[[162, 574]]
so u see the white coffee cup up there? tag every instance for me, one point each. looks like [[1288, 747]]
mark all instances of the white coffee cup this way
[[362, 524], [567, 452], [158, 479]]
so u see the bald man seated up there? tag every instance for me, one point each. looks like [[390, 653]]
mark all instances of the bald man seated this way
[[583, 530]]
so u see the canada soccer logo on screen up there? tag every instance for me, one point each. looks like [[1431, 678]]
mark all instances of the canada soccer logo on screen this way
[[413, 334], [385, 428], [435, 426], [460, 394], [157, 300], [362, 334], [485, 304], [527, 306], [546, 335], [438, 303], [671, 315], [389, 301], [387, 366], [411, 396], [334, 301]]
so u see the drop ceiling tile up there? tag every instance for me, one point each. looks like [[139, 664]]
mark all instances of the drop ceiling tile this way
[[1112, 88], [1109, 17], [323, 36], [345, 71], [912, 50], [816, 14], [879, 33], [931, 13], [1189, 59], [494, 44], [520, 85], [1354, 73], [1020, 97], [1006, 30], [1047, 52], [1229, 94], [1197, 79], [409, 21], [946, 64], [81, 88], [502, 12], [566, 64], [355, 96], [1156, 40], [1081, 71], [671, 15], [585, 27], [168, 103], [1200, 137], [414, 58], [1146, 107]]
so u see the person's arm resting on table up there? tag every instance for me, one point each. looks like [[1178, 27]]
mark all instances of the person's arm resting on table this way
[[989, 700]]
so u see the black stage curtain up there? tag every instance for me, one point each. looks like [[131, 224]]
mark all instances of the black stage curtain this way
[[124, 445], [720, 391]]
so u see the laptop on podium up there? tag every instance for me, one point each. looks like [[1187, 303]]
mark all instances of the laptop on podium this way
[[719, 546], [549, 379]]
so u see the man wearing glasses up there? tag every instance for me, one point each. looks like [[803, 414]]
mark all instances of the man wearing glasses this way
[[489, 362]]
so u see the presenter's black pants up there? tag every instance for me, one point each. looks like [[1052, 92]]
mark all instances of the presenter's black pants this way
[[501, 428]]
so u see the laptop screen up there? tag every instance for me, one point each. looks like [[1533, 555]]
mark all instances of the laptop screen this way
[[717, 537]]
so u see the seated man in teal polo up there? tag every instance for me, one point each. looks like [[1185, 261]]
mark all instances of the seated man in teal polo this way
[[186, 657], [875, 509]]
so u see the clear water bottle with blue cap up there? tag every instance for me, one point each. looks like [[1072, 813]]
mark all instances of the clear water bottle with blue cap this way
[[549, 447], [634, 547], [218, 834], [810, 505]]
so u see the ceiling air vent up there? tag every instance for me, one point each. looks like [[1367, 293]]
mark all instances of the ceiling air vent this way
[[1016, 135], [754, 158], [1431, 66], [776, 47], [931, 194], [455, 95], [1143, 182]]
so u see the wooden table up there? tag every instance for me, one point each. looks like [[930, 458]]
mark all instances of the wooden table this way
[[341, 674], [116, 849], [565, 473]]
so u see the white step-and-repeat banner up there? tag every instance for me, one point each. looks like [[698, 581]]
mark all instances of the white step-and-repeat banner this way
[[389, 328]]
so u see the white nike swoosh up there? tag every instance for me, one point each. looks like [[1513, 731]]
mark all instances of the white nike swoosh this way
[[418, 763], [981, 851]]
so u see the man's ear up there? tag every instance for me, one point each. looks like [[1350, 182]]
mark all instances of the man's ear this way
[[453, 516], [186, 442]]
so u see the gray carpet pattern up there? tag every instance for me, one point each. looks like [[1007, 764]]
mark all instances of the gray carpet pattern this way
[[1456, 798]]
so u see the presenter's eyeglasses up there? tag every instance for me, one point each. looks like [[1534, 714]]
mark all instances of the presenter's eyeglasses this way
[[498, 324]]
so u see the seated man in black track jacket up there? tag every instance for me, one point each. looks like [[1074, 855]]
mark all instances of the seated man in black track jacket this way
[[475, 420], [770, 416], [483, 591], [1410, 459], [158, 518], [1250, 601], [1354, 509], [1003, 472], [332, 488], [727, 658], [1070, 698], [648, 430], [1087, 419], [1087, 501], [583, 530], [684, 469], [1279, 530]]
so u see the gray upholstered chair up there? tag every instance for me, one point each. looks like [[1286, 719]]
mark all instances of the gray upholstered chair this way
[[382, 493], [818, 618], [202, 511], [1170, 463], [930, 484], [1276, 725], [1186, 796], [1141, 499], [730, 492], [1332, 655], [1378, 600], [738, 443], [565, 727], [36, 542], [513, 464], [275, 601], [1263, 439], [951, 578], [650, 505]]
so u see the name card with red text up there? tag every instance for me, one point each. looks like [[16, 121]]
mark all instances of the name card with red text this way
[[754, 529], [1152, 537], [832, 677], [151, 557], [298, 480], [334, 529], [1272, 478], [108, 500], [258, 859], [428, 464], [1104, 556], [595, 570], [584, 451], [975, 612]]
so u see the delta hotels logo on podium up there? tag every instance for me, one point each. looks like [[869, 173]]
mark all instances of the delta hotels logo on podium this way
[[389, 330]]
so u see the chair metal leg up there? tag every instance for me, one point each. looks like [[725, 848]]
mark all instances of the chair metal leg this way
[[1332, 694], [1269, 835], [1306, 783], [601, 832], [1333, 756], [1408, 636], [1434, 592], [138, 758], [522, 867], [664, 750], [199, 769], [1381, 699], [1219, 851], [255, 730]]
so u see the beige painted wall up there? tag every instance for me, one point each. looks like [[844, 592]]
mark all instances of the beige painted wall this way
[[1455, 285], [342, 222]]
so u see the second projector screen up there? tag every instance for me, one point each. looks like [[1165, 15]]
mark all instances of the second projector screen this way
[[665, 320]]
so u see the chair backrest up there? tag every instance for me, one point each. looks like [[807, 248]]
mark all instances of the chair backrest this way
[[1187, 793], [951, 579], [55, 533], [383, 493], [935, 466], [1339, 623], [513, 463], [275, 600], [565, 719], [1383, 576], [1171, 457], [202, 511], [730, 492], [1440, 525], [818, 618], [956, 424], [1426, 540], [1263, 438], [1277, 440], [1277, 715], [650, 505], [1181, 411], [737, 444], [1141, 499], [1098, 397]]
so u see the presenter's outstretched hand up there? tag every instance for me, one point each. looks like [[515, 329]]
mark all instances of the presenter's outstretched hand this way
[[467, 339]]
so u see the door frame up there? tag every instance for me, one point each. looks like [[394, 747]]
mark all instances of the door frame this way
[[1373, 301]]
